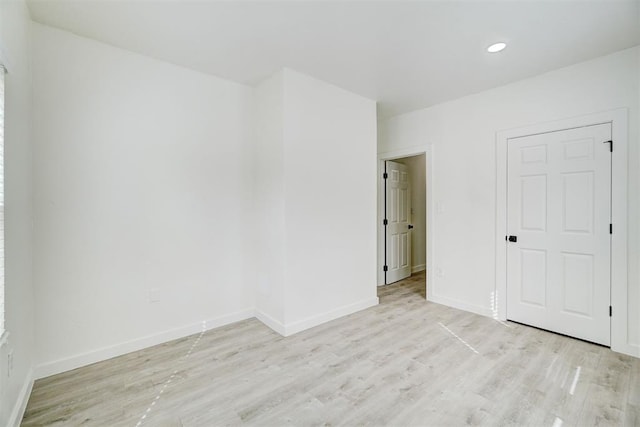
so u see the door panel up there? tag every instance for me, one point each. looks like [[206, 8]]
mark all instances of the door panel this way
[[559, 207], [533, 277], [534, 206], [577, 283], [577, 202], [398, 211]]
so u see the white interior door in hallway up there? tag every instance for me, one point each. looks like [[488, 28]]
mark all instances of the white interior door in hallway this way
[[398, 228], [558, 220]]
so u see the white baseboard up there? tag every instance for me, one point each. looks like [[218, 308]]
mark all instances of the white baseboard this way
[[418, 268], [21, 404], [94, 356], [271, 322], [628, 349], [84, 359], [461, 305], [310, 322]]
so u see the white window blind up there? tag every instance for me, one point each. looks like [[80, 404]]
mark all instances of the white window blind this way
[[2, 71]]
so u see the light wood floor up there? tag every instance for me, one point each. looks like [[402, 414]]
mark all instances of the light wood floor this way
[[404, 362]]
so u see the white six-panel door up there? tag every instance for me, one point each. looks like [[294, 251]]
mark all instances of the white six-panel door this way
[[398, 209], [559, 210]]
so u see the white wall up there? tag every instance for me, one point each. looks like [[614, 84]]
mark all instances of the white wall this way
[[418, 189], [315, 202], [142, 185], [330, 205], [165, 197], [462, 133], [269, 201], [15, 44], [634, 227]]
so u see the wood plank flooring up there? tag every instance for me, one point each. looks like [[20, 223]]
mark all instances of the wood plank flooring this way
[[406, 362]]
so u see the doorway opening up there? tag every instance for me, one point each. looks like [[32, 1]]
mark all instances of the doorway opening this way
[[403, 218]]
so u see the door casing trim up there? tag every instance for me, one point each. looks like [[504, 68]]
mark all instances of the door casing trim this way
[[619, 288]]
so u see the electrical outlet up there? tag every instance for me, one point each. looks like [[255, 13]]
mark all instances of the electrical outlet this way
[[439, 273]]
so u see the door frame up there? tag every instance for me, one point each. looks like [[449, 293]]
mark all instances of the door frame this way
[[427, 150], [619, 130]]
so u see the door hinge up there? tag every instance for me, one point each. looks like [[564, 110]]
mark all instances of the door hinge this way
[[385, 222], [610, 228], [385, 268], [610, 142], [610, 311], [385, 175]]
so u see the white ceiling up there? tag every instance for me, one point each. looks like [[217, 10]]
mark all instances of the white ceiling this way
[[405, 54]]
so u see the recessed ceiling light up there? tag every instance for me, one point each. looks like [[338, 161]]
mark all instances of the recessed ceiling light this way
[[496, 47]]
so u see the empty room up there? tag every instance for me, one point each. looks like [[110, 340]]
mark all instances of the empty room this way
[[270, 213]]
